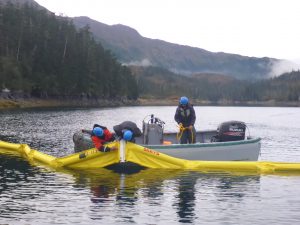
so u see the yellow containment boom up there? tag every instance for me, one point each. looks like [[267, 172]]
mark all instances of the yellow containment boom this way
[[130, 152], [88, 159]]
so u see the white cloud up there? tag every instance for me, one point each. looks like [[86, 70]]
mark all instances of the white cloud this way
[[284, 66], [144, 63]]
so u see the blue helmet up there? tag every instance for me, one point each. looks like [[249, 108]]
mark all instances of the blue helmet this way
[[184, 100], [98, 131], [127, 135]]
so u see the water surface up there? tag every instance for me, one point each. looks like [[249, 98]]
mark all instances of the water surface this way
[[33, 194]]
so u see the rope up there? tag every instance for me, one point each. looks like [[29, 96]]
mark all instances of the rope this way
[[181, 130]]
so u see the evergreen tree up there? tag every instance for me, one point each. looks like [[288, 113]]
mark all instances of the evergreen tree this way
[[44, 55]]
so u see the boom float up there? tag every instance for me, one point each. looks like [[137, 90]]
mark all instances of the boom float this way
[[146, 157]]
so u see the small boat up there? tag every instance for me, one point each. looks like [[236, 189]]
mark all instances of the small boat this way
[[132, 153], [227, 143]]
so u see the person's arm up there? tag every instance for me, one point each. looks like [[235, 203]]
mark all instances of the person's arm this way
[[137, 132], [97, 142], [90, 132], [193, 116], [109, 137], [106, 149], [177, 117], [97, 125], [118, 130], [99, 145]]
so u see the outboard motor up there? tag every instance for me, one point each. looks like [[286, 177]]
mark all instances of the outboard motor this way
[[231, 131], [82, 141], [153, 130]]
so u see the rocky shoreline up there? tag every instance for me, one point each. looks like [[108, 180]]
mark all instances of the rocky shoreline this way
[[86, 103], [63, 102]]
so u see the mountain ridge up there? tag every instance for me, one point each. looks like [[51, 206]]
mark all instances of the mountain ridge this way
[[131, 48]]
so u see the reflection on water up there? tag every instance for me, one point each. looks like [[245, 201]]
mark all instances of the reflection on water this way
[[37, 195], [194, 187], [186, 198], [31, 194], [129, 191], [20, 184]]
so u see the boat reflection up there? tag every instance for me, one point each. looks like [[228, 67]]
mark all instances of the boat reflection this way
[[179, 194], [194, 189], [180, 190]]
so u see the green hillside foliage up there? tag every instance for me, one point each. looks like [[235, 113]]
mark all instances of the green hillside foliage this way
[[43, 55], [160, 83], [283, 88]]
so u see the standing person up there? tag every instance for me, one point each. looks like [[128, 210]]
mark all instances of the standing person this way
[[185, 117], [101, 135], [127, 130]]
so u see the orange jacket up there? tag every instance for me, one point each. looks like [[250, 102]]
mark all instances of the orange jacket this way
[[100, 141]]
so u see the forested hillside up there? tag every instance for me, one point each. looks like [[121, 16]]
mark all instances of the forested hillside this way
[[159, 83], [132, 48], [44, 55], [283, 88]]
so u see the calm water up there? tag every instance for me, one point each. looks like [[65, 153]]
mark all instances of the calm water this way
[[37, 195]]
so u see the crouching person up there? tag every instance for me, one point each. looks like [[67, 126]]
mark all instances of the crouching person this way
[[100, 136], [128, 131]]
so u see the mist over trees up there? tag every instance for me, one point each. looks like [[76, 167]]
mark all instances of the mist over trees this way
[[43, 55], [160, 83]]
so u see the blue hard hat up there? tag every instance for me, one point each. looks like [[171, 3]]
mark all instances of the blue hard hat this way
[[127, 135], [98, 131], [184, 100]]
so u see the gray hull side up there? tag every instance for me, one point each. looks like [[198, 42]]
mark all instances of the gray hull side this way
[[245, 150]]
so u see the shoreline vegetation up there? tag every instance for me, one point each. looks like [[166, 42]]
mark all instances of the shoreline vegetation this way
[[88, 103], [67, 67]]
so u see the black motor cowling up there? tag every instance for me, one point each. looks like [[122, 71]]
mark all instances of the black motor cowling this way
[[231, 131]]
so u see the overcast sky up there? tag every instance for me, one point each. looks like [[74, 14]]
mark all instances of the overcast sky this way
[[256, 28]]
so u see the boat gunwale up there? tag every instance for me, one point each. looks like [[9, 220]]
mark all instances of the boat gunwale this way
[[211, 144]]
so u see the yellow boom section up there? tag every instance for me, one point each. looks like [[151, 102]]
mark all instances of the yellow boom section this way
[[91, 159], [154, 159], [88, 159]]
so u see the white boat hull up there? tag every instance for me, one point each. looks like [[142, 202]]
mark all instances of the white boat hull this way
[[245, 150], [203, 149]]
